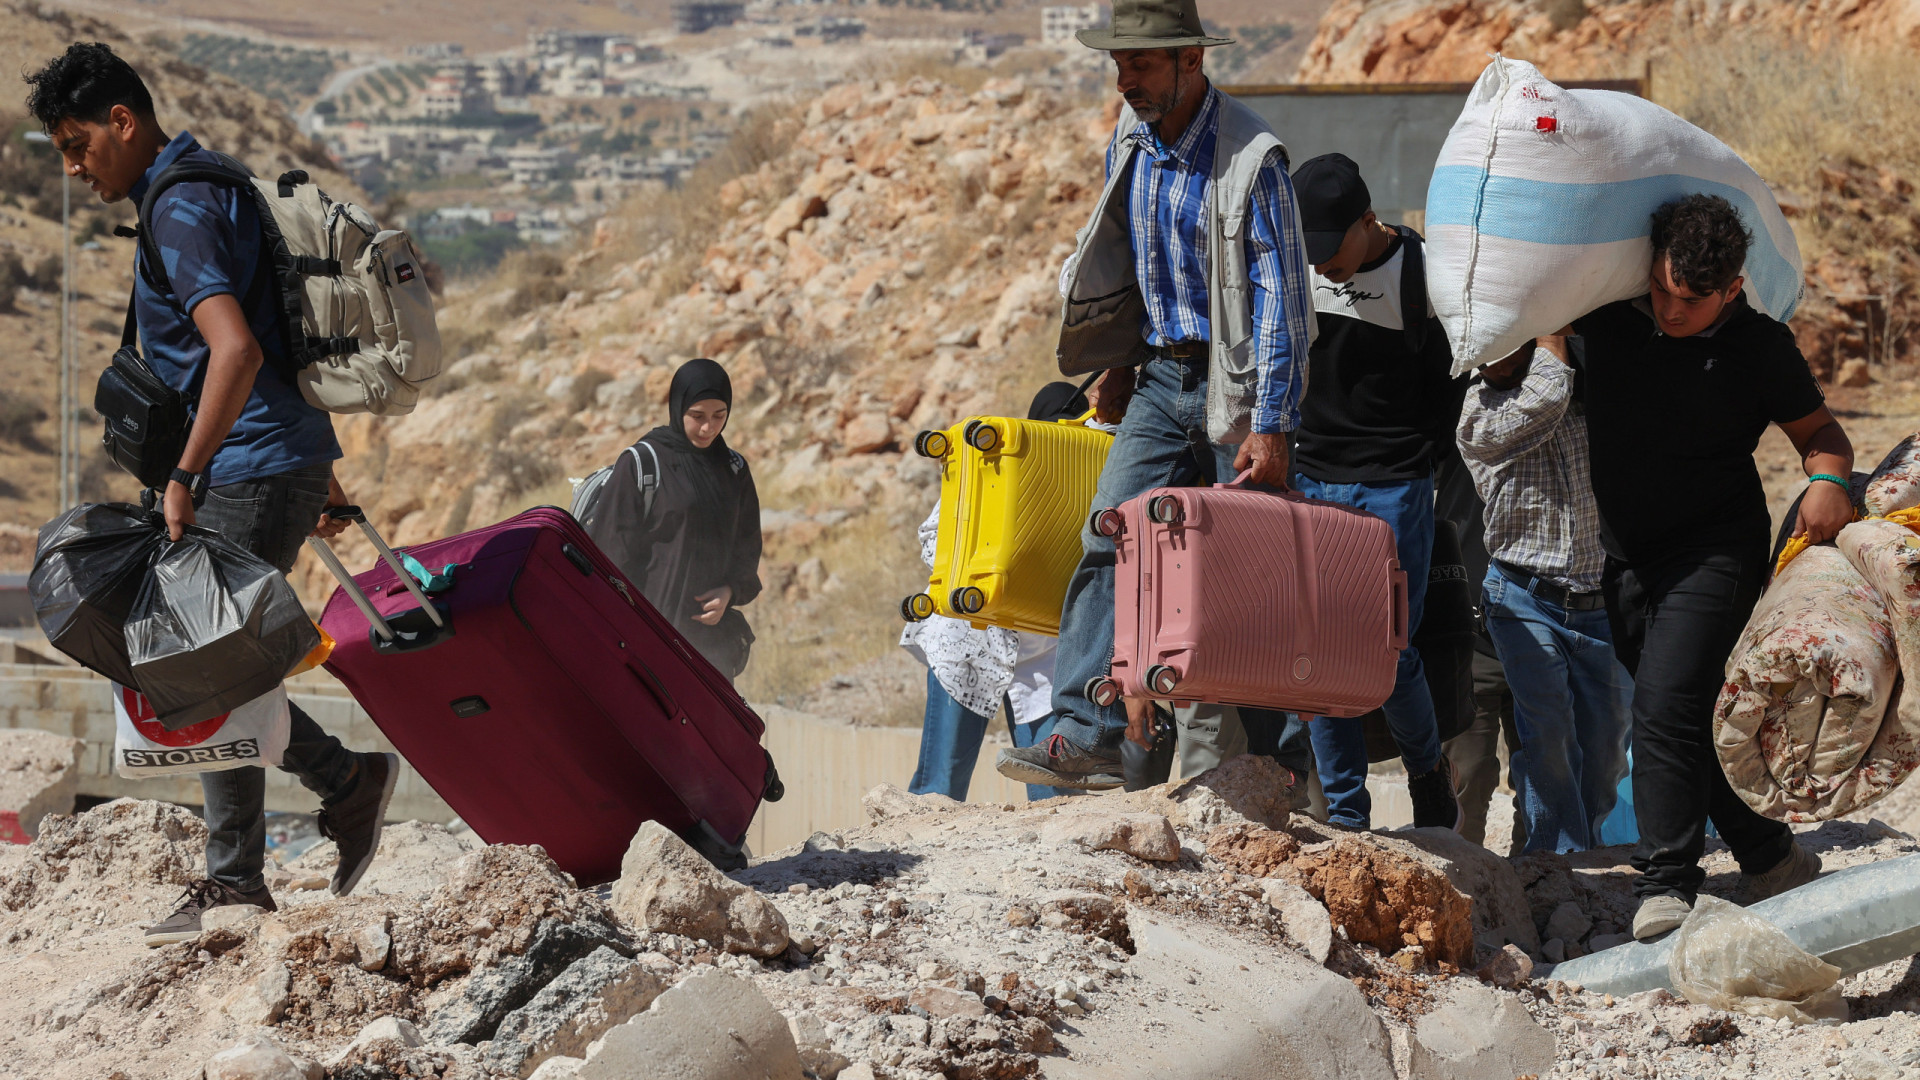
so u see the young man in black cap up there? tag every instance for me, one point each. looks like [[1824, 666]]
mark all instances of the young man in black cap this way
[[1379, 408]]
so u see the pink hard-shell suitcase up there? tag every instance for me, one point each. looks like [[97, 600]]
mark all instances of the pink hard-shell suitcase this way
[[1245, 596], [544, 698]]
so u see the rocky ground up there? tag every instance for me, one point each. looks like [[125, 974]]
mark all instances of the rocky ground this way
[[1190, 930]]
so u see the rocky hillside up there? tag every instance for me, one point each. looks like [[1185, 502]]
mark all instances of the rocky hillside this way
[[1818, 97], [882, 260], [1448, 40], [223, 115]]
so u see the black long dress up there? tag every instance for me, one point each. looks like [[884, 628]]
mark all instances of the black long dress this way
[[703, 531]]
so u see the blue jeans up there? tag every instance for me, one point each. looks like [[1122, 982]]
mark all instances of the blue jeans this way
[[1340, 745], [1573, 704], [1162, 443], [950, 738]]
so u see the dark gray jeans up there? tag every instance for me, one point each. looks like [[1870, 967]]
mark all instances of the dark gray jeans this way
[[270, 517]]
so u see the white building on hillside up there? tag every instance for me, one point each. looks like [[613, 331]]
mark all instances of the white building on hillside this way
[[1059, 22]]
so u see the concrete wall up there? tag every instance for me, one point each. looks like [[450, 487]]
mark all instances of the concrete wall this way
[[827, 767]]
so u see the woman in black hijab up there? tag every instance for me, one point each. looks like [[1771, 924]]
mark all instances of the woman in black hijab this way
[[695, 552]]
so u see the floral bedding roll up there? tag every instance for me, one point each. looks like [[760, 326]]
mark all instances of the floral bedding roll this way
[[1798, 724]]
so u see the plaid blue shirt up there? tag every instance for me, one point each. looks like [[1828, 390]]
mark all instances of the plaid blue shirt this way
[[1168, 207], [209, 238]]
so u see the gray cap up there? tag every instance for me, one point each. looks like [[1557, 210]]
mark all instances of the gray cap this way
[[1151, 24]]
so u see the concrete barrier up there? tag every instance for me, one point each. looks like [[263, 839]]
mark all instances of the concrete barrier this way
[[826, 766]]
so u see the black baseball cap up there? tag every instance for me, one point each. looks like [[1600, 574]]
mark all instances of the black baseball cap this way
[[1332, 197]]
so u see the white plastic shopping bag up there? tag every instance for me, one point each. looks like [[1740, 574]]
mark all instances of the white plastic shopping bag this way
[[253, 734], [1540, 207]]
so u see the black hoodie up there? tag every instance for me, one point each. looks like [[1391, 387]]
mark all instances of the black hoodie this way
[[704, 528]]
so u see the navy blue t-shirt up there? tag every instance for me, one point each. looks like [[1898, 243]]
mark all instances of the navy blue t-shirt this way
[[209, 239]]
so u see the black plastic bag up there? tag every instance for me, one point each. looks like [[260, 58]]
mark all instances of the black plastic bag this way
[[212, 627], [87, 569]]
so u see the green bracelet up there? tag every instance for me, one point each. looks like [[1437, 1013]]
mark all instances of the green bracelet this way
[[1829, 477]]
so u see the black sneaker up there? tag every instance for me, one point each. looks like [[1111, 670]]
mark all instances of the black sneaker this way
[[354, 820], [1434, 804], [201, 897], [1059, 763]]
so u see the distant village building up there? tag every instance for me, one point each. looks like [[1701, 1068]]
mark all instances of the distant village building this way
[[980, 46], [1059, 23], [568, 42], [456, 89], [833, 28], [537, 164], [700, 16], [437, 50]]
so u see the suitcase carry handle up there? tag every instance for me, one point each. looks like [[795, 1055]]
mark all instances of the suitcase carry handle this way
[[1241, 482], [665, 700], [381, 627], [1400, 633]]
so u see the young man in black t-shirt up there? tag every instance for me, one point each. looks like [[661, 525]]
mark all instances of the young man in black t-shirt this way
[[1379, 406], [1679, 385]]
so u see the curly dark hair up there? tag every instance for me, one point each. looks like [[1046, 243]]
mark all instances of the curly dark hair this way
[[1703, 240], [85, 83]]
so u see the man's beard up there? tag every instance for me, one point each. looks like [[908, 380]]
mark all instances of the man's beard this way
[[1156, 110]]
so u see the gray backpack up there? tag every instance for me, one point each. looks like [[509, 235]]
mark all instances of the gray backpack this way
[[351, 297], [587, 489]]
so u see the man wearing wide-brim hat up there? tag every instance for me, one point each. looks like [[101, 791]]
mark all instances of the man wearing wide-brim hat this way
[[1190, 285]]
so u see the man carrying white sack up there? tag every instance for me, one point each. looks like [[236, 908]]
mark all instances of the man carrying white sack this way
[[1679, 385]]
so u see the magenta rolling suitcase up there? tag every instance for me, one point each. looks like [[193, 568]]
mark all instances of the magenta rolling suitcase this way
[[544, 698], [1244, 596]]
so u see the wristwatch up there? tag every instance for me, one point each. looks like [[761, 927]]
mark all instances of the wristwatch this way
[[194, 482]]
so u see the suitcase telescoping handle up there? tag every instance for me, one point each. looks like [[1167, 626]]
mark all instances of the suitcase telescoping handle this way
[[1401, 631], [352, 588]]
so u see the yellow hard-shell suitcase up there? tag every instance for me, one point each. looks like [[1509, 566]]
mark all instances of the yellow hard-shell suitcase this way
[[1014, 495]]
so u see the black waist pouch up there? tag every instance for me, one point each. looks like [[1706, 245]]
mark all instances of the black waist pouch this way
[[147, 421]]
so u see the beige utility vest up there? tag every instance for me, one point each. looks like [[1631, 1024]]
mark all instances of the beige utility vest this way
[[1103, 309]]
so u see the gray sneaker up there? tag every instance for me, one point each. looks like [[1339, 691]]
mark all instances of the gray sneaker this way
[[353, 821], [1059, 763], [1658, 915], [1799, 867], [201, 897]]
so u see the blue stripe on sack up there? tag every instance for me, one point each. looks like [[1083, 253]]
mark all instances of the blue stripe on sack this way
[[1546, 212]]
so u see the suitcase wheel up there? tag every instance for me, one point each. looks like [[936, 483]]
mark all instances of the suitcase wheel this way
[[1108, 522], [932, 444], [1103, 691], [916, 607], [1161, 679], [982, 437], [1165, 509], [967, 600]]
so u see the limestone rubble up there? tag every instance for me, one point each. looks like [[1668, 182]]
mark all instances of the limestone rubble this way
[[943, 939]]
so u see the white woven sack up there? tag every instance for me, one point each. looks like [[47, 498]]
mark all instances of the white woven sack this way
[[256, 733], [1539, 211]]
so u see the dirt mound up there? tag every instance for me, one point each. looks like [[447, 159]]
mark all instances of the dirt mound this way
[[1252, 849], [115, 855], [1389, 901]]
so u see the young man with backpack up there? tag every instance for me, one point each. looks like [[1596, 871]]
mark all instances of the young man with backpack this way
[[1378, 412], [258, 460]]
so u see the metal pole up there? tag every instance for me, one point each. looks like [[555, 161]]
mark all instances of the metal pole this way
[[67, 449]]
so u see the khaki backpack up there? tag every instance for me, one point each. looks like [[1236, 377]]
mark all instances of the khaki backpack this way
[[353, 304]]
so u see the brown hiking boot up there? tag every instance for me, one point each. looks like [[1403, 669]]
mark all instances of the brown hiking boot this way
[[354, 820], [201, 897]]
